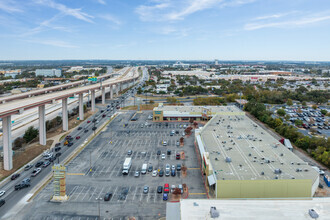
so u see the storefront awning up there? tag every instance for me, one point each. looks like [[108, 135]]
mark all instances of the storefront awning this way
[[211, 180]]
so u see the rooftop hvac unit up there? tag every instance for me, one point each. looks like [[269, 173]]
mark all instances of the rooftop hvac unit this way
[[228, 159], [214, 212]]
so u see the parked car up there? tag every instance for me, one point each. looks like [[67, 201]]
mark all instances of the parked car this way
[[145, 189], [150, 168], [137, 173], [166, 188], [154, 173], [164, 143], [165, 196], [181, 188], [173, 173], [163, 156], [129, 152], [168, 152], [172, 188], [159, 152], [107, 196], [177, 156], [178, 167], [161, 173], [159, 189]]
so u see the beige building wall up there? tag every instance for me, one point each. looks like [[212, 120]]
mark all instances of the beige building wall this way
[[264, 188]]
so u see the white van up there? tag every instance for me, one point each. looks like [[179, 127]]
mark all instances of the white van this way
[[144, 168]]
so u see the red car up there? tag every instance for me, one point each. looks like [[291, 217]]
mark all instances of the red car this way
[[78, 137], [88, 121], [177, 156], [166, 188]]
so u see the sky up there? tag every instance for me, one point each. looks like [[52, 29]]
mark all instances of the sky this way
[[165, 29]]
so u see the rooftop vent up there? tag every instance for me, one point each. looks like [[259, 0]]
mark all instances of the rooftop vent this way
[[228, 159]]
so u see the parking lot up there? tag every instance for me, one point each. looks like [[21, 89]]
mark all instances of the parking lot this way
[[97, 170]]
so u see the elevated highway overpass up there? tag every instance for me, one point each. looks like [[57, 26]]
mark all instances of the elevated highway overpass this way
[[19, 106]]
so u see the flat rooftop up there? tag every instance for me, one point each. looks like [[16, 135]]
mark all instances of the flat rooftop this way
[[172, 111], [254, 153], [255, 209]]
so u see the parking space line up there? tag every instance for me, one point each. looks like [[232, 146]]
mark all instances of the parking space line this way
[[100, 192], [155, 196], [127, 194], [134, 193], [78, 194], [86, 193], [92, 194], [73, 190]]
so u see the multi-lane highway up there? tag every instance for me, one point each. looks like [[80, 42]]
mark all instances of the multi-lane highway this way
[[30, 117], [14, 199]]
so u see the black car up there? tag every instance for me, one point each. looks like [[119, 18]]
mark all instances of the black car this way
[[129, 152], [15, 176], [159, 152], [79, 128], [38, 164], [94, 120], [94, 128], [159, 189], [161, 173], [150, 168], [70, 144], [86, 131], [51, 159], [22, 186], [57, 144], [178, 167], [107, 196], [2, 202], [168, 152], [102, 111], [57, 149], [58, 154]]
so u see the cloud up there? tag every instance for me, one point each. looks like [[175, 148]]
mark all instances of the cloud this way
[[111, 18], [274, 16], [102, 2], [55, 43], [292, 23], [74, 12], [172, 10], [9, 6]]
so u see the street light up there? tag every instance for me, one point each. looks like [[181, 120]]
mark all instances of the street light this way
[[99, 208]]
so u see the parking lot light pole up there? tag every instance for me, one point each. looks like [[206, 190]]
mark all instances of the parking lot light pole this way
[[99, 208]]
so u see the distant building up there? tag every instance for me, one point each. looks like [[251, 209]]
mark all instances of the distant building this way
[[80, 68], [180, 64], [162, 87], [12, 73], [49, 72], [109, 69], [216, 62]]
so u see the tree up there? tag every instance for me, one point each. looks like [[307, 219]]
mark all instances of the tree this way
[[314, 106], [281, 112], [298, 123], [303, 103], [172, 100], [289, 102], [18, 143], [324, 112], [30, 134], [151, 102]]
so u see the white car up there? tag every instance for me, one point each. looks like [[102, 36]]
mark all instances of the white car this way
[[154, 173], [2, 192], [164, 143], [163, 157]]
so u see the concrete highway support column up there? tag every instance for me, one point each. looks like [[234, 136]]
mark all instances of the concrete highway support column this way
[[81, 106], [103, 95], [7, 143], [93, 100], [65, 117], [117, 88], [111, 92], [42, 125]]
